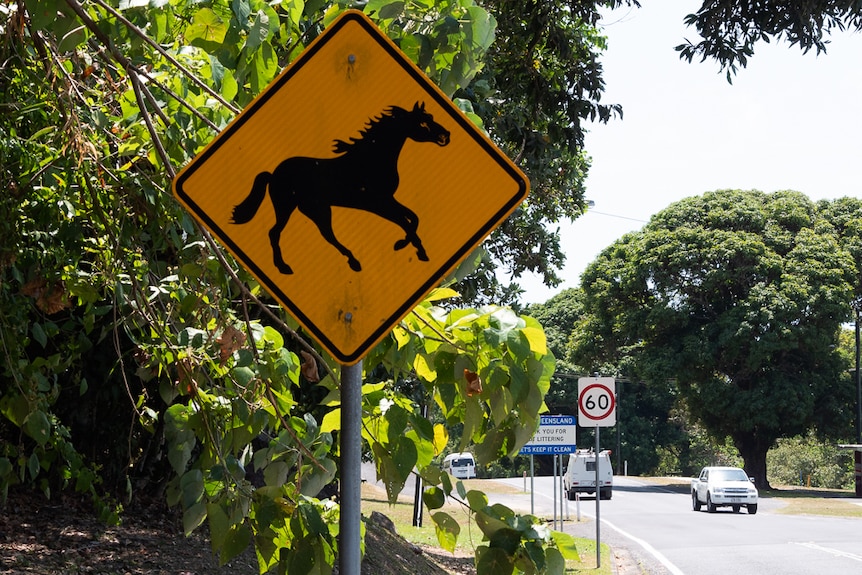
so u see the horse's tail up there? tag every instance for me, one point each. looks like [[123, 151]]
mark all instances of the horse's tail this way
[[245, 211]]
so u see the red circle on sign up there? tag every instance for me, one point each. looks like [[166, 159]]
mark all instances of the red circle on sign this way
[[612, 402]]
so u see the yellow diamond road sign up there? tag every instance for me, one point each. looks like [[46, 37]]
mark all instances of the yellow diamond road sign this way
[[350, 187]]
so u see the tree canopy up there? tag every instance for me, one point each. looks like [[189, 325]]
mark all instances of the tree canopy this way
[[737, 296], [730, 29]]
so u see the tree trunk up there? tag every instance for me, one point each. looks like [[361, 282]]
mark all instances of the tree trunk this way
[[753, 451]]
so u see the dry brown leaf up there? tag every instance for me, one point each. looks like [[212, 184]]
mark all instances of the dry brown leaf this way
[[231, 340], [474, 383], [308, 368], [49, 300]]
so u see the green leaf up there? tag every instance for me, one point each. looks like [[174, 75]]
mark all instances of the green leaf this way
[[331, 421], [423, 370], [181, 439], [259, 31], [434, 498], [192, 488], [33, 466], [518, 345], [38, 427], [5, 467], [294, 10], [15, 408], [507, 539], [219, 524], [243, 375], [447, 530], [477, 500], [537, 339], [482, 26], [39, 334], [566, 545], [207, 29], [404, 456], [314, 479], [272, 336], [493, 561], [275, 473], [237, 540], [488, 524], [193, 517], [555, 563]]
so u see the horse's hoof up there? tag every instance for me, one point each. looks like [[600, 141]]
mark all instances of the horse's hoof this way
[[423, 257], [354, 265], [284, 268], [401, 244]]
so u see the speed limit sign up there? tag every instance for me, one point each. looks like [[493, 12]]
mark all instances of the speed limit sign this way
[[597, 404]]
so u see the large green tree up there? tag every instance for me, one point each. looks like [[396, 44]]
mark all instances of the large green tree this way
[[739, 297], [645, 425]]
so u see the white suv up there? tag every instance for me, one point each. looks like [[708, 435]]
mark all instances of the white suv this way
[[723, 487], [580, 474]]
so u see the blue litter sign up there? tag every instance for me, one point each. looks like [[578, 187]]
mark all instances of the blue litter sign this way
[[556, 435]]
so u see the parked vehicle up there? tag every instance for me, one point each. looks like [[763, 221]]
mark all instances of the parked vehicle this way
[[580, 476], [460, 465], [723, 487]]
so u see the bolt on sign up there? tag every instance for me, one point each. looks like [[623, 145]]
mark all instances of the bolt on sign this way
[[350, 187]]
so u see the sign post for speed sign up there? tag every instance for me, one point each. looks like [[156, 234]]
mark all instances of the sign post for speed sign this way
[[597, 407], [597, 404]]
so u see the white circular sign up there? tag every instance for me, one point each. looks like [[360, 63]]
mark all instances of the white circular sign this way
[[597, 402]]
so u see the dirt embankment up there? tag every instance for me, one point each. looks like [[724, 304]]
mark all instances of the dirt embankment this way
[[61, 537]]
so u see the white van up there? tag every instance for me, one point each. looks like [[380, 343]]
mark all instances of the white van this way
[[580, 476], [460, 465]]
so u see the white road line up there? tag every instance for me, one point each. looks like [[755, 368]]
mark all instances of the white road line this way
[[659, 556], [836, 552]]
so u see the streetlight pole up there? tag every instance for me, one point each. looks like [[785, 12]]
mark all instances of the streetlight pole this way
[[858, 310], [857, 452]]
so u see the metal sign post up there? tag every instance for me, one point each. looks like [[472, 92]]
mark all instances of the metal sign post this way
[[350, 437], [597, 405], [598, 507]]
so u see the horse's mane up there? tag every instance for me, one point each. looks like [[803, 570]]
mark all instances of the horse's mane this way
[[366, 135]]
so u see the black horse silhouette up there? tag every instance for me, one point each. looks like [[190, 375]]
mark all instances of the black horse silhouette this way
[[364, 176]]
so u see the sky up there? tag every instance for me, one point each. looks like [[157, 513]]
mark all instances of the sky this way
[[789, 121]]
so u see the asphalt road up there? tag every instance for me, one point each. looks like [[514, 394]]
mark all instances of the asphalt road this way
[[654, 531], [658, 529]]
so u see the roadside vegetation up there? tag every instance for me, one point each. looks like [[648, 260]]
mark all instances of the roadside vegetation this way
[[140, 362]]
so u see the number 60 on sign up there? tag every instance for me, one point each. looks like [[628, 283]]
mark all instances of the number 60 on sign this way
[[597, 401]]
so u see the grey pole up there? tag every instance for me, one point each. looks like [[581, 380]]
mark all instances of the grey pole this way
[[532, 485], [562, 494], [598, 513], [350, 437], [554, 483], [858, 384]]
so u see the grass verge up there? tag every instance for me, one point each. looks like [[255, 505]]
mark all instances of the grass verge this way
[[401, 513]]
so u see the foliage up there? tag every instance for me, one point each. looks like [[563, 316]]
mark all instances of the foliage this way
[[645, 425], [535, 93], [697, 451], [730, 28], [806, 460], [738, 297], [811, 463], [119, 315]]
